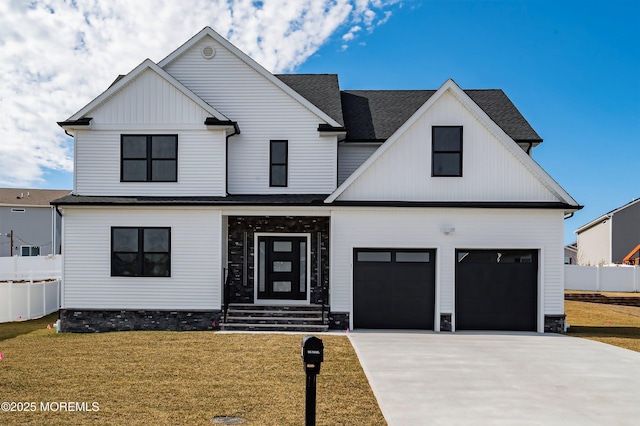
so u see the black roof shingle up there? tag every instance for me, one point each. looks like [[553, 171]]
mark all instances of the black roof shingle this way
[[374, 115], [322, 90]]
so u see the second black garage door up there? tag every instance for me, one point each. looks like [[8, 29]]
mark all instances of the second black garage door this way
[[394, 288], [496, 290]]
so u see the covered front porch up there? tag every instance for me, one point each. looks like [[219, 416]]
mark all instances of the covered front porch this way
[[276, 272]]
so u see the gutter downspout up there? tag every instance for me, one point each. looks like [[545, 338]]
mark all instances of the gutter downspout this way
[[58, 323], [236, 131]]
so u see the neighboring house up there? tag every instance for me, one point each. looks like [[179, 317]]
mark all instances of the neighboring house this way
[[29, 221], [571, 254], [609, 238], [204, 181]]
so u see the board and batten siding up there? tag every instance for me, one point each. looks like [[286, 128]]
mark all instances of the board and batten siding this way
[[148, 99], [149, 104], [490, 170], [474, 229], [195, 281], [351, 156], [264, 112]]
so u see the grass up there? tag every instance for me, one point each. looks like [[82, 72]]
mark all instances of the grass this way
[[605, 293], [177, 378], [612, 324]]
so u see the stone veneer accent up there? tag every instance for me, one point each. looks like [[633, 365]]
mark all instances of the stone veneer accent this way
[[554, 323], [91, 321], [445, 322], [238, 225], [338, 320]]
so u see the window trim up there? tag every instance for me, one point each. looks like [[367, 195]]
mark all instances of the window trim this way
[[285, 164], [30, 247], [434, 152], [140, 252], [148, 158]]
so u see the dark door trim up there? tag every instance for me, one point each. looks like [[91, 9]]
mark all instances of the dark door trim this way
[[270, 297]]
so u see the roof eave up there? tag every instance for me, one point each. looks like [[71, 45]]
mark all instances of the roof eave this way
[[81, 123], [214, 123]]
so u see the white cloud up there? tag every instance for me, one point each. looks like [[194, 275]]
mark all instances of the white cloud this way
[[57, 55]]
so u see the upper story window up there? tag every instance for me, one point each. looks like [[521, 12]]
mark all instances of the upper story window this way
[[140, 252], [149, 158], [278, 162], [446, 157]]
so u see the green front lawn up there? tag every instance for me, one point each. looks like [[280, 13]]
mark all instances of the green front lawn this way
[[176, 378]]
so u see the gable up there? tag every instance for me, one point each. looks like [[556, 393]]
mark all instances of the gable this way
[[224, 73], [495, 169], [266, 109], [148, 99]]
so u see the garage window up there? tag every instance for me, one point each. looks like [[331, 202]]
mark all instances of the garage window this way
[[492, 256], [412, 256], [374, 256]]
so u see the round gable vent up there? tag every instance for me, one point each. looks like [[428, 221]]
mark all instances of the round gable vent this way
[[208, 52]]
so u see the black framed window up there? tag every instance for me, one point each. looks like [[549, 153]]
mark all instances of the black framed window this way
[[140, 252], [278, 159], [446, 158], [149, 158]]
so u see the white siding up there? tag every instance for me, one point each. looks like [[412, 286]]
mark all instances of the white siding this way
[[149, 104], [195, 281], [474, 229], [148, 99], [263, 112], [491, 171], [594, 244], [351, 156], [201, 164]]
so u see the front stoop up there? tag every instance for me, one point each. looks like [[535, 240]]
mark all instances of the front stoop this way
[[248, 317]]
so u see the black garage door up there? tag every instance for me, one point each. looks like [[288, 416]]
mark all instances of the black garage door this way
[[394, 288], [496, 290]]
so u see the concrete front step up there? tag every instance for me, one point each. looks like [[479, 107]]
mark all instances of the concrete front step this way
[[274, 327], [252, 307], [279, 314], [249, 317], [273, 320]]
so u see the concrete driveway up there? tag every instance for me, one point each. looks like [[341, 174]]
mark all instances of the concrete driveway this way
[[426, 378]]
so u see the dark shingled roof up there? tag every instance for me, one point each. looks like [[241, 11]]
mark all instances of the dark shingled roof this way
[[229, 200], [322, 90], [290, 200], [374, 115], [377, 114]]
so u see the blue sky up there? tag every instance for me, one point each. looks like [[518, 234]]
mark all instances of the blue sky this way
[[571, 67]]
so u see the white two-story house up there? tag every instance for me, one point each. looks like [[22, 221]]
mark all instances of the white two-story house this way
[[211, 193]]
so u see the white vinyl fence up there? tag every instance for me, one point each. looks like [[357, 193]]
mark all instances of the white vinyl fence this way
[[23, 301], [30, 268], [621, 278], [29, 287]]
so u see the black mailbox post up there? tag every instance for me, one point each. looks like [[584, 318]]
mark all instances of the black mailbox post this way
[[312, 356]]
